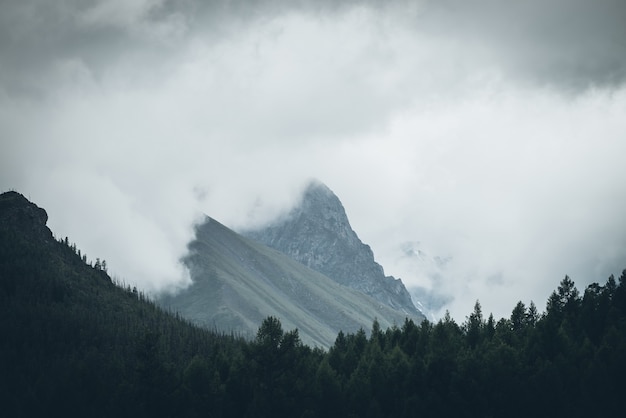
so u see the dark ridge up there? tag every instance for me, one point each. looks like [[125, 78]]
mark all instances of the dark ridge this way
[[17, 212], [73, 342]]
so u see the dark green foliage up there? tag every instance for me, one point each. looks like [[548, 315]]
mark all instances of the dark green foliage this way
[[72, 343]]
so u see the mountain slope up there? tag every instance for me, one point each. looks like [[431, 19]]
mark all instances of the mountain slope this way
[[317, 233], [75, 344], [237, 282]]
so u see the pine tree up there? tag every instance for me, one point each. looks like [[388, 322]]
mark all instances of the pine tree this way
[[474, 326]]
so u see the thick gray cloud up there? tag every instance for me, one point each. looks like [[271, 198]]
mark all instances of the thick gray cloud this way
[[571, 44], [491, 133]]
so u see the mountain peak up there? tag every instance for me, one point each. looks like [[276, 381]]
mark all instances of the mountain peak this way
[[318, 200], [15, 203], [316, 190], [317, 233], [320, 209], [17, 212]]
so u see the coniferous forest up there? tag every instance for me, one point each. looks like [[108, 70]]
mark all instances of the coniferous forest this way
[[74, 343]]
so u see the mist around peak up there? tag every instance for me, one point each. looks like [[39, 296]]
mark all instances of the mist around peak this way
[[317, 233], [489, 131]]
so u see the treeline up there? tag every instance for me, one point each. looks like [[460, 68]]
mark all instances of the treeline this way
[[72, 343], [569, 361]]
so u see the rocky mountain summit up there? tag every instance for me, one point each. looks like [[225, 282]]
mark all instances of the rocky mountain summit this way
[[317, 233]]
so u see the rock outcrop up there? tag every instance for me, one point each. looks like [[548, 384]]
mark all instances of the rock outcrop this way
[[18, 212]]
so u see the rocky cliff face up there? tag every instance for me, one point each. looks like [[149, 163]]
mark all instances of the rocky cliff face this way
[[17, 212], [317, 233]]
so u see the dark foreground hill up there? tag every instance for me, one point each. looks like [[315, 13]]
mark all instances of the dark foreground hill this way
[[74, 344]]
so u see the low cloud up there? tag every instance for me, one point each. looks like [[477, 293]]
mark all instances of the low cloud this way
[[491, 134]]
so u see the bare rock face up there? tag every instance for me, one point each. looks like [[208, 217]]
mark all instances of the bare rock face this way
[[317, 233]]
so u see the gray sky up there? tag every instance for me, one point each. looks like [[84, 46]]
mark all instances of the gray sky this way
[[492, 133]]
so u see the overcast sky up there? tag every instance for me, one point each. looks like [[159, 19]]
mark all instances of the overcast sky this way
[[493, 133]]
